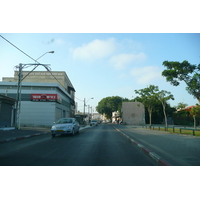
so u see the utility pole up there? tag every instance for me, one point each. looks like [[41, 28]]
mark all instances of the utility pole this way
[[88, 113], [18, 104], [19, 86], [84, 107]]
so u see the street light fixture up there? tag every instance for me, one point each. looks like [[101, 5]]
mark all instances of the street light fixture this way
[[45, 53]]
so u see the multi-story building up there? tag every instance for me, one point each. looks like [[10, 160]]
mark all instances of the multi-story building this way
[[59, 77], [45, 96]]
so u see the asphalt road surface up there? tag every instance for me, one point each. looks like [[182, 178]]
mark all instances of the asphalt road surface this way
[[96, 146]]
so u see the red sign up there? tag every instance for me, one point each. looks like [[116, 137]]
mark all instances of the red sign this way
[[46, 97]]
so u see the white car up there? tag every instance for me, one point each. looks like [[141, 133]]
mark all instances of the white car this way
[[65, 126], [94, 122]]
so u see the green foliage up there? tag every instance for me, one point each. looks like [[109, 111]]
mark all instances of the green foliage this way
[[183, 113], [195, 111], [157, 113], [186, 72], [182, 120], [193, 87], [181, 105], [150, 97], [187, 117], [163, 96], [108, 105], [147, 96], [182, 117]]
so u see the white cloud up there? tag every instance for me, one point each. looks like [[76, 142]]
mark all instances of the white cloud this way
[[121, 60], [96, 49], [146, 75], [59, 41]]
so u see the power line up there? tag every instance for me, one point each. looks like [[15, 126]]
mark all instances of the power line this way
[[79, 99], [18, 49], [32, 59]]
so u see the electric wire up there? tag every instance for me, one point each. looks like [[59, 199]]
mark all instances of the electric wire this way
[[79, 99], [18, 48], [33, 60]]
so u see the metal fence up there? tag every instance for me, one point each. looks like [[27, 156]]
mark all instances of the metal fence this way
[[166, 128]]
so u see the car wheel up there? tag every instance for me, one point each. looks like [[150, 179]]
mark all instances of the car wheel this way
[[73, 132], [53, 135], [78, 130]]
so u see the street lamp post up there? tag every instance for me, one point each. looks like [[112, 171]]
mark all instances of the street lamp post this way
[[18, 104], [88, 112], [91, 112], [85, 104]]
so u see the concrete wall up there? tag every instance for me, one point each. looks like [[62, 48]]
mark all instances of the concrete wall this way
[[133, 113]]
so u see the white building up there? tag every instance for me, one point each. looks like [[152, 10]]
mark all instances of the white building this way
[[45, 96], [41, 103], [97, 116], [133, 113]]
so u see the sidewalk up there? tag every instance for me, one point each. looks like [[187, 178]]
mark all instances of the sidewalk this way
[[8, 134], [171, 149]]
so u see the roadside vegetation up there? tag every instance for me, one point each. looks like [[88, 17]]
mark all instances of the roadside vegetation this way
[[177, 130], [155, 101]]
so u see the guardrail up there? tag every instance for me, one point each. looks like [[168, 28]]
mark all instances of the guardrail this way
[[153, 127]]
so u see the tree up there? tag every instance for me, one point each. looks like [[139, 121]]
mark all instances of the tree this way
[[163, 96], [186, 72], [147, 96], [157, 114], [108, 105], [181, 105], [195, 111]]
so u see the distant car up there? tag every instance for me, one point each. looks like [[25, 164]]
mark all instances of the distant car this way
[[65, 126], [93, 122]]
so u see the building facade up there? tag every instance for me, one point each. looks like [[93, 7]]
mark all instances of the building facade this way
[[133, 113], [59, 77], [45, 97]]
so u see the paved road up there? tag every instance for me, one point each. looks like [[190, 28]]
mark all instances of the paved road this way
[[177, 149], [96, 146]]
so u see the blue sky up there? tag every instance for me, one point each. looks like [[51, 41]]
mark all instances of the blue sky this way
[[105, 64], [107, 61]]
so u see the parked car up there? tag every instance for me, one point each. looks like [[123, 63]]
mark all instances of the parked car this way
[[65, 126], [93, 122]]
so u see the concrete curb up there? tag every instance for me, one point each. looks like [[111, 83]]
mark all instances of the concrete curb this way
[[33, 135], [7, 128], [22, 137], [150, 153]]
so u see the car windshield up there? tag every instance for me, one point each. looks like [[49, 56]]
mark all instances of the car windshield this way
[[64, 121]]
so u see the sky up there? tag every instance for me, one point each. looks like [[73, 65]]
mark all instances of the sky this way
[[105, 64], [107, 48]]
